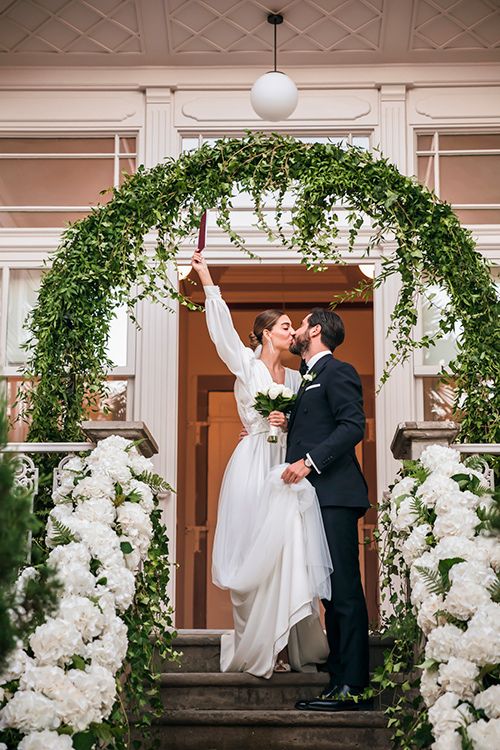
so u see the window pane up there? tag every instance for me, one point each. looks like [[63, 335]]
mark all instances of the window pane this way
[[425, 142], [362, 141], [115, 404], [190, 144], [39, 218], [127, 166], [425, 171], [57, 145], [23, 293], [470, 179], [54, 182], [444, 351], [117, 341], [469, 141], [438, 399], [18, 428], [127, 146], [478, 215]]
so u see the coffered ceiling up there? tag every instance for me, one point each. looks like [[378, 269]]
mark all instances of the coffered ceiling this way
[[236, 33]]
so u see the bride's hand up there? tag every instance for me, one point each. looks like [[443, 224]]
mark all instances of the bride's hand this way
[[199, 264], [278, 419]]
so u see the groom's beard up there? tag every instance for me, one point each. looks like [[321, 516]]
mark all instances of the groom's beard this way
[[300, 344]]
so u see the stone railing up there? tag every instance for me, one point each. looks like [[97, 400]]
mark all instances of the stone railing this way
[[411, 439]]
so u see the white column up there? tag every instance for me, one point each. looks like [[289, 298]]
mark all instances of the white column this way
[[395, 402], [156, 382]]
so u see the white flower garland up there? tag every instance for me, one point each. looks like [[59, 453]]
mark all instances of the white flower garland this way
[[453, 565], [100, 531]]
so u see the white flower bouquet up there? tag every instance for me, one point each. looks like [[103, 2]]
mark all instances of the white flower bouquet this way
[[275, 398]]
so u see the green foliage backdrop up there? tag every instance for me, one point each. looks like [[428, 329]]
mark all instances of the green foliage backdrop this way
[[101, 263]]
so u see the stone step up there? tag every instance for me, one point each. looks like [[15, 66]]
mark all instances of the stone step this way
[[201, 651], [223, 691], [192, 729]]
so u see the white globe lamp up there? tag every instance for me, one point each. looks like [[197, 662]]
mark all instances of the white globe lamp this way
[[274, 95]]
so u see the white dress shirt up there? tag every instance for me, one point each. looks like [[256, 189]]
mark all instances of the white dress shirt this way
[[315, 358]]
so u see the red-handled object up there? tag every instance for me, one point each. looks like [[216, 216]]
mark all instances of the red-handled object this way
[[202, 235]]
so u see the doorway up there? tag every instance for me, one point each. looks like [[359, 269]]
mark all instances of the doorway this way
[[209, 425]]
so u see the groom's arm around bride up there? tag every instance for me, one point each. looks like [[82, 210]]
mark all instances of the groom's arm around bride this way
[[326, 424]]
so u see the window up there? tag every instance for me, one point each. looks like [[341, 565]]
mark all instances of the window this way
[[463, 169], [19, 294], [49, 181], [434, 396]]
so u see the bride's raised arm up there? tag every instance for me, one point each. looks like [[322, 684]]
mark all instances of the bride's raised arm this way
[[235, 355]]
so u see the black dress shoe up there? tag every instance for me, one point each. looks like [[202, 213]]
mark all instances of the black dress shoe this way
[[328, 693], [335, 699]]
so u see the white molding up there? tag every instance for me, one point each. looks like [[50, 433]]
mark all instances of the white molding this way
[[393, 130]]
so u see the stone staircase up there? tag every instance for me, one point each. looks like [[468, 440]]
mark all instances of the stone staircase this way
[[209, 710]]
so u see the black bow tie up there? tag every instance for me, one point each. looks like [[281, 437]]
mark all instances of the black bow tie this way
[[303, 367]]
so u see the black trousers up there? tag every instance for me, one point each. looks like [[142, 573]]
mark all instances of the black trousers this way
[[346, 616]]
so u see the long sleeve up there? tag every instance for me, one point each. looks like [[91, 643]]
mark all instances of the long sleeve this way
[[237, 357]]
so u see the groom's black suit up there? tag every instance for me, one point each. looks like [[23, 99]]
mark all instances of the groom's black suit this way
[[326, 423]]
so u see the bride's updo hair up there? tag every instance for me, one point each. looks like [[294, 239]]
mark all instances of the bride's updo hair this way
[[267, 319]]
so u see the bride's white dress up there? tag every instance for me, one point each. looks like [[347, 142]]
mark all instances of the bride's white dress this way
[[270, 547]]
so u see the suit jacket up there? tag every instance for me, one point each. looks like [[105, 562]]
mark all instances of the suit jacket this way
[[327, 422]]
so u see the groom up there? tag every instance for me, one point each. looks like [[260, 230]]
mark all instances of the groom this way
[[325, 425]]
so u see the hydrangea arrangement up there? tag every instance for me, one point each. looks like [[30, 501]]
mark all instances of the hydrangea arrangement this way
[[439, 521], [63, 680]]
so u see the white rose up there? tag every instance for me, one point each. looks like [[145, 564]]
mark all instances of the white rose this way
[[416, 543], [274, 391], [427, 619], [448, 714], [449, 740], [459, 676], [443, 642], [287, 392], [434, 487], [27, 711], [457, 522], [485, 735], [441, 459], [489, 701], [45, 741], [430, 689], [55, 642]]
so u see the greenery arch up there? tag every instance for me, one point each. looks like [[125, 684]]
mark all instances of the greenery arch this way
[[100, 263], [101, 260]]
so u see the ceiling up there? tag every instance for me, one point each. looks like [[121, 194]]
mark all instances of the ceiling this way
[[236, 32]]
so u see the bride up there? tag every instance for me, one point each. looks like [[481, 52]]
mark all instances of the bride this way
[[270, 548]]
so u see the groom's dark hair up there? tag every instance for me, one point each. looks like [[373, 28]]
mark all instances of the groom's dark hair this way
[[332, 327]]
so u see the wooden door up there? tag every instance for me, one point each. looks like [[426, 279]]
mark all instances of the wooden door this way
[[223, 429]]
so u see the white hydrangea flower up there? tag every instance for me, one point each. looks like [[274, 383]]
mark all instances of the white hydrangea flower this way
[[136, 524], [455, 546], [404, 487], [138, 463], [45, 741], [98, 686], [448, 714], [27, 711], [17, 662], [459, 676], [457, 522], [464, 599], [65, 554], [403, 516], [97, 485], [46, 679], [442, 460], [86, 617], [96, 509], [443, 642], [485, 735], [55, 642], [427, 619], [481, 640], [416, 544], [488, 549], [449, 740], [121, 583], [435, 487], [146, 502], [430, 689], [489, 701], [453, 500], [110, 650]]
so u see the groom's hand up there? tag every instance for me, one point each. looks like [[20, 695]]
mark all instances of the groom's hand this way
[[295, 472]]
